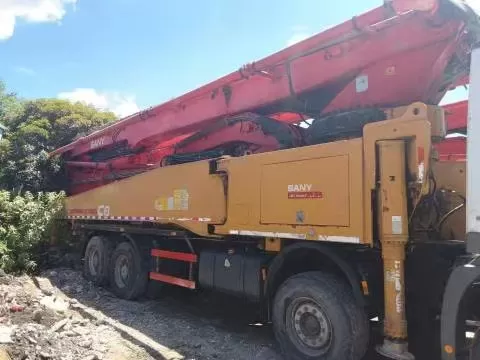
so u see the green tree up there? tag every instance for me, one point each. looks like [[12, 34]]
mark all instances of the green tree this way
[[10, 105], [28, 212], [40, 127]]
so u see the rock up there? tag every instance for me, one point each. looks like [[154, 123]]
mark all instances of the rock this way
[[99, 348], [58, 325], [47, 292], [55, 304], [6, 334], [87, 343], [37, 315], [73, 301], [81, 330], [103, 328], [69, 333], [31, 339], [31, 328], [6, 279], [46, 355], [76, 306], [90, 357], [16, 308], [99, 322], [2, 273]]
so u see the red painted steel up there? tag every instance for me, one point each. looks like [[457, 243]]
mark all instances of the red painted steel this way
[[399, 53], [173, 280], [452, 149], [402, 55], [456, 115], [174, 255]]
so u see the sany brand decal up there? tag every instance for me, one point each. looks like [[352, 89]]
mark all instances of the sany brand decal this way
[[303, 191], [96, 143]]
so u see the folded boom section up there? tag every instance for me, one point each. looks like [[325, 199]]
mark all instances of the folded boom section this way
[[399, 53]]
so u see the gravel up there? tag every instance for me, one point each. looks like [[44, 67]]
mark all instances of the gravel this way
[[61, 316]]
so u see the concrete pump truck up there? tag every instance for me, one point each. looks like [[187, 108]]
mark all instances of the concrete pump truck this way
[[319, 183]]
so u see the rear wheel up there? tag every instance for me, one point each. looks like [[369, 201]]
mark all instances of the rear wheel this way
[[316, 317], [128, 275], [97, 257]]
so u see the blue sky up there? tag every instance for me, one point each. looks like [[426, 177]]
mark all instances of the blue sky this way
[[130, 54]]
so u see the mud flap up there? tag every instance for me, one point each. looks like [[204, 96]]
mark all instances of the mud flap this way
[[459, 282]]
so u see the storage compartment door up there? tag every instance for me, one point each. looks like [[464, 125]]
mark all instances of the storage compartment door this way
[[306, 192]]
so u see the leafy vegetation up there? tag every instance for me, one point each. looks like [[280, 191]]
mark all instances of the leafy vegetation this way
[[30, 200], [35, 128], [27, 225]]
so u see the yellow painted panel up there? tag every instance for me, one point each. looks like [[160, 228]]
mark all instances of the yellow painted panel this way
[[186, 195], [250, 195], [255, 181], [307, 192]]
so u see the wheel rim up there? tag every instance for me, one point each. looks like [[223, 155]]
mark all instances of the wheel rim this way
[[94, 262], [310, 325], [122, 271]]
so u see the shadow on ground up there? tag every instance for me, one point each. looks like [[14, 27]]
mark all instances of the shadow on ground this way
[[198, 325]]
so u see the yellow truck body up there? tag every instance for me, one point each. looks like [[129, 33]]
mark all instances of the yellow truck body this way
[[319, 193]]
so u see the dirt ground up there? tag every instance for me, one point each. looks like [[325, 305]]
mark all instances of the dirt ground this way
[[61, 316]]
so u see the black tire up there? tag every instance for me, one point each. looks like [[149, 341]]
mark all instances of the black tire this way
[[97, 258], [315, 317], [128, 273]]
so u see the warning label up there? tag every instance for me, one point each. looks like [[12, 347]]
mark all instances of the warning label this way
[[179, 201], [305, 195]]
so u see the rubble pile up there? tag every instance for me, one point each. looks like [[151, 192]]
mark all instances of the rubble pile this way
[[40, 322], [60, 315]]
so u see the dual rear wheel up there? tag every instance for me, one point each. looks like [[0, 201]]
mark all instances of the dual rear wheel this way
[[121, 266], [315, 315]]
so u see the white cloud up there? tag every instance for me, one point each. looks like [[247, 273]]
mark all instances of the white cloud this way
[[299, 33], [24, 70], [35, 11], [121, 105]]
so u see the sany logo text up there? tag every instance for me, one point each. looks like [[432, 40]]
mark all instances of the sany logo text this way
[[299, 187], [96, 143]]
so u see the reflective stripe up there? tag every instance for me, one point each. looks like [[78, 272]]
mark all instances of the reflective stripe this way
[[268, 234], [139, 218], [342, 239]]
